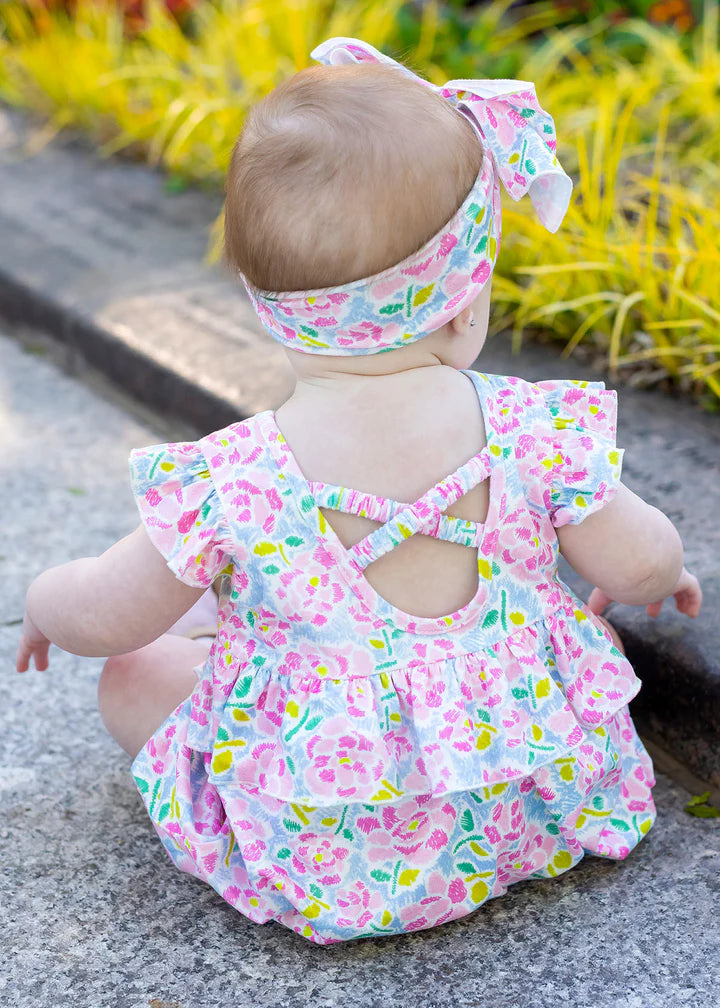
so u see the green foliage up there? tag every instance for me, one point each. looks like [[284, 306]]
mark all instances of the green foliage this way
[[632, 274]]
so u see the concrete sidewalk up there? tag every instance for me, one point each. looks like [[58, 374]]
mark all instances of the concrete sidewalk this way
[[92, 913], [95, 253]]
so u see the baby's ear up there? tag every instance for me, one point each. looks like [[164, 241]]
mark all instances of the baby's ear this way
[[460, 323]]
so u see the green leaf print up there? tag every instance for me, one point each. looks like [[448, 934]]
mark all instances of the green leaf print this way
[[242, 686], [294, 541], [466, 821], [293, 827], [620, 824], [491, 619], [380, 876], [466, 867]]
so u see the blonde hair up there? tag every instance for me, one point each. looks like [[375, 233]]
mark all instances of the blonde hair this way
[[342, 172]]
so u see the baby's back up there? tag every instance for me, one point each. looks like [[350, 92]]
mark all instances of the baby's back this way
[[395, 439]]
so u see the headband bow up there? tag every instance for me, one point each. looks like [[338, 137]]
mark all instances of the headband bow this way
[[426, 290]]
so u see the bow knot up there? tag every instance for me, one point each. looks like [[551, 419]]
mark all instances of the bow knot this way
[[518, 134]]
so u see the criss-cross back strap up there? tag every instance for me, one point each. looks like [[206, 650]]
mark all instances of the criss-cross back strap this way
[[400, 520]]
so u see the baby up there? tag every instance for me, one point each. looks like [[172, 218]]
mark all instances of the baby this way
[[404, 710]]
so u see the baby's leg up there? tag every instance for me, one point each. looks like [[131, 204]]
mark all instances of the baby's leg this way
[[139, 690]]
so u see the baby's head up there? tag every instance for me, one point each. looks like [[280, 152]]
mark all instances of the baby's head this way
[[363, 205], [342, 172]]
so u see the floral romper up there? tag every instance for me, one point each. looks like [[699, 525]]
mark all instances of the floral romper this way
[[348, 769]]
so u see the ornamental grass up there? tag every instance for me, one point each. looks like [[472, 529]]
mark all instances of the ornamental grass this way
[[632, 275]]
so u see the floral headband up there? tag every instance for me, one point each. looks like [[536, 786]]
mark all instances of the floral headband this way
[[423, 292]]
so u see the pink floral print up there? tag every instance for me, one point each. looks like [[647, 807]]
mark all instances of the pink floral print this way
[[348, 769]]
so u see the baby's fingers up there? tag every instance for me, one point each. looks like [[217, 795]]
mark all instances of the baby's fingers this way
[[689, 601], [41, 656], [654, 609], [22, 658], [598, 601], [37, 652]]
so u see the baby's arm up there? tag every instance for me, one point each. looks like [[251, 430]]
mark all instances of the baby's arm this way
[[633, 554], [106, 605]]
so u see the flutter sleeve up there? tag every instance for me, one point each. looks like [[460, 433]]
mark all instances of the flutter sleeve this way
[[181, 510], [586, 463]]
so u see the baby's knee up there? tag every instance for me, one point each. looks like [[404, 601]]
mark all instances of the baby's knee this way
[[118, 682]]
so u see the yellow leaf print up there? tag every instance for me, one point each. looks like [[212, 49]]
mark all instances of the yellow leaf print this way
[[517, 618], [563, 859], [423, 294], [222, 761], [263, 548], [311, 911], [291, 708], [542, 689], [484, 739], [484, 568], [479, 892], [386, 918], [407, 877]]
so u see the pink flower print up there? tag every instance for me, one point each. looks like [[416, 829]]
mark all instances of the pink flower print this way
[[417, 833], [455, 282], [357, 905], [447, 244], [419, 269], [322, 858], [187, 520], [345, 766], [365, 334], [253, 851], [481, 272], [428, 912]]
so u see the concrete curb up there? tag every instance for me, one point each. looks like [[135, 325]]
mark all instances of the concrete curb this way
[[179, 336]]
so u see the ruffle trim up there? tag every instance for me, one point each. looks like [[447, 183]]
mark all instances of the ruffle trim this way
[[466, 722], [586, 464], [181, 511]]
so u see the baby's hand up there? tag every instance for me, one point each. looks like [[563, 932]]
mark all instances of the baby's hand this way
[[687, 594], [33, 644]]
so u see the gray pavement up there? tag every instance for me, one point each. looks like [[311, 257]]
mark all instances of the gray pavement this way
[[92, 913]]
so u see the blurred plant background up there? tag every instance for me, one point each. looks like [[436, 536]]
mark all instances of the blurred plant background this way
[[632, 276]]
